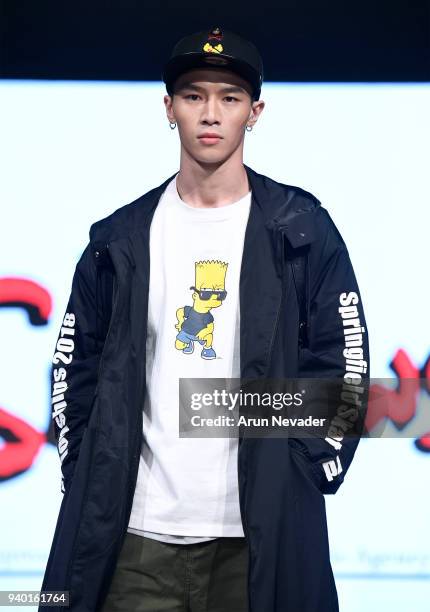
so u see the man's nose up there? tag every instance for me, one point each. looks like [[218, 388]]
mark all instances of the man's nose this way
[[211, 111]]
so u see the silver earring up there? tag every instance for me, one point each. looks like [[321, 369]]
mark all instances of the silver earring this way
[[249, 128], [172, 125]]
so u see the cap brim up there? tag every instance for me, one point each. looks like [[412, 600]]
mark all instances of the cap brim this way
[[178, 65]]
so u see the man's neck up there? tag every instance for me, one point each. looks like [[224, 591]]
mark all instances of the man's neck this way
[[212, 186]]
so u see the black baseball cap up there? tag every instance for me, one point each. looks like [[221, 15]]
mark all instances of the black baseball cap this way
[[215, 47]]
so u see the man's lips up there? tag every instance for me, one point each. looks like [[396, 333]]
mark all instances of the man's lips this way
[[209, 138]]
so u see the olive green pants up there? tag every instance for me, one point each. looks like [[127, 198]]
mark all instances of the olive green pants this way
[[154, 576]]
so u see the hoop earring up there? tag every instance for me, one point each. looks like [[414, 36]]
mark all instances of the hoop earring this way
[[172, 125], [249, 128]]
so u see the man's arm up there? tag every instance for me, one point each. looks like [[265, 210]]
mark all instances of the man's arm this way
[[75, 365], [335, 307]]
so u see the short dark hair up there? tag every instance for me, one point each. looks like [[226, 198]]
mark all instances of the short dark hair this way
[[171, 89]]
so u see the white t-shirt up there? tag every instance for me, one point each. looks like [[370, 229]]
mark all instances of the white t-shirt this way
[[187, 488]]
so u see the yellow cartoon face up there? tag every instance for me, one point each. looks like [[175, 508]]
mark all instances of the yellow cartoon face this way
[[213, 49], [209, 288]]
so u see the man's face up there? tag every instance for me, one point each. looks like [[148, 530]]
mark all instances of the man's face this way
[[213, 101]]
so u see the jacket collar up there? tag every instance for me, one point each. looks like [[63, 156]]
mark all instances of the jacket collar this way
[[284, 209]]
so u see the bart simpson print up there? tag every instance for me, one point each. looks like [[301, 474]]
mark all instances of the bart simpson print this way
[[196, 322]]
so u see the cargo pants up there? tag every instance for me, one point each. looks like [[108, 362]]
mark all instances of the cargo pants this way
[[154, 576]]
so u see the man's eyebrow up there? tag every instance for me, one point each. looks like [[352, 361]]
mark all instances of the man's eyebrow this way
[[230, 89]]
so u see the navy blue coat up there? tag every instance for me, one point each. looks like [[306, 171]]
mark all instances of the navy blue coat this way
[[98, 382]]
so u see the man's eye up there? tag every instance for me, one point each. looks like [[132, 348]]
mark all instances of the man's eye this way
[[196, 96]]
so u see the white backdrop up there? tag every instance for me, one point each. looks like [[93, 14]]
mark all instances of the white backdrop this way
[[71, 153]]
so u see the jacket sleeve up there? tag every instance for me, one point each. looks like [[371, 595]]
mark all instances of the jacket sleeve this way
[[337, 347], [75, 365]]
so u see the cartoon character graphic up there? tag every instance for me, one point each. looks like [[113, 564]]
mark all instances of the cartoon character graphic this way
[[213, 44], [196, 323], [210, 49]]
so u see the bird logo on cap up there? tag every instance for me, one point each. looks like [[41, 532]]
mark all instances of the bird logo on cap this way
[[215, 35]]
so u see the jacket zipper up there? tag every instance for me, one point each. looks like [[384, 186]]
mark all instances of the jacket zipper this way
[[275, 328], [244, 520], [113, 312]]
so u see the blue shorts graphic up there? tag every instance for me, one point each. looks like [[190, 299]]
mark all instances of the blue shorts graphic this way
[[186, 337]]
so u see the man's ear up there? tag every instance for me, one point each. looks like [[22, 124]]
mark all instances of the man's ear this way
[[168, 103], [257, 108]]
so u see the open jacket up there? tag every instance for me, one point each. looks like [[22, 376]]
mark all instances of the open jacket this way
[[98, 385]]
